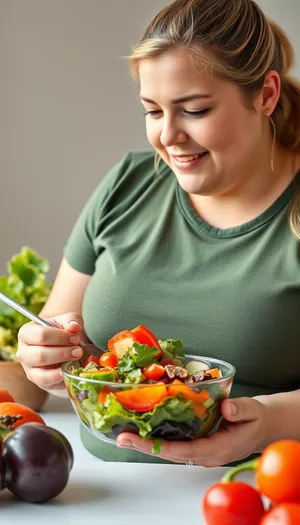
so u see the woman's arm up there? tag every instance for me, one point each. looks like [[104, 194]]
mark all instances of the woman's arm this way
[[282, 416], [66, 296], [67, 293]]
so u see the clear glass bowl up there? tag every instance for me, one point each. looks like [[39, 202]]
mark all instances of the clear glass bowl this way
[[165, 411]]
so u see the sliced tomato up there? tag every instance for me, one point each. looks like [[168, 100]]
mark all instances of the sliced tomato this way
[[90, 359], [154, 371], [108, 359], [142, 399], [145, 337], [121, 342]]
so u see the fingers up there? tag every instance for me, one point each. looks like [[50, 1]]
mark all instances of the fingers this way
[[33, 356], [46, 379], [72, 322], [176, 451], [41, 350], [241, 409]]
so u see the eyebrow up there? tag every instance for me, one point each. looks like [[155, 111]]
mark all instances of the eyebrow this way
[[188, 98]]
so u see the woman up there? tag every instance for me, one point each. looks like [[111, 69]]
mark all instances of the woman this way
[[205, 246]]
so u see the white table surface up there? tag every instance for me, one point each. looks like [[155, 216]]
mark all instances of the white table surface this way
[[113, 493]]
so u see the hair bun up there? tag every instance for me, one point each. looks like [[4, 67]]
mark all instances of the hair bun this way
[[286, 54]]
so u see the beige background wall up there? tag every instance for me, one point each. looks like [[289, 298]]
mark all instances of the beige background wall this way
[[68, 108]]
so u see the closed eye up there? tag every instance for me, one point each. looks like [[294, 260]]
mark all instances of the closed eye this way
[[152, 113], [193, 114], [199, 113]]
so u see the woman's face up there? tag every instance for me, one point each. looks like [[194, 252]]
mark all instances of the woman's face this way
[[199, 124]]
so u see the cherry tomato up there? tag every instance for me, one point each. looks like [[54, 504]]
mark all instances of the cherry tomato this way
[[145, 337], [154, 371], [278, 471], [282, 514], [90, 359], [5, 396], [142, 399], [108, 360], [16, 409], [232, 504]]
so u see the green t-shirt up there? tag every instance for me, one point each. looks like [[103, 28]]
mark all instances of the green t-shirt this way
[[233, 294]]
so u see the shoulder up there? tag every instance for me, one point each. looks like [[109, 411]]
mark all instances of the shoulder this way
[[126, 182], [133, 175]]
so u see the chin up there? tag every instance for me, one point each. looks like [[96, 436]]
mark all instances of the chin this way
[[193, 184]]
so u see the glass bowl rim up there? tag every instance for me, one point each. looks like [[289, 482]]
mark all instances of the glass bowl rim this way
[[230, 374]]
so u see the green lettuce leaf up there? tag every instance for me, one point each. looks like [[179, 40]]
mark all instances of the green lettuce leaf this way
[[129, 366], [113, 413], [172, 349]]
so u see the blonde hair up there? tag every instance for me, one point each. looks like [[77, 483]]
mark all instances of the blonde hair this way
[[235, 40]]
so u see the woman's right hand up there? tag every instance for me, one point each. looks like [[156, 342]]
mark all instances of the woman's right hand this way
[[42, 350]]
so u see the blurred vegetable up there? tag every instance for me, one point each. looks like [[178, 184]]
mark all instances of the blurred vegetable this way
[[282, 514], [232, 503], [5, 396], [13, 415], [35, 463], [277, 471], [26, 283]]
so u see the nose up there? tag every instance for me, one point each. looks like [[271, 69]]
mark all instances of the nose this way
[[171, 134]]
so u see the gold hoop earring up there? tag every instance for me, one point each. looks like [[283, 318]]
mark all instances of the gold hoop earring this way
[[274, 139]]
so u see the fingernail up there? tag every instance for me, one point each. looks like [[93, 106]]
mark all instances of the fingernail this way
[[77, 352], [74, 340], [75, 323], [125, 444], [233, 409]]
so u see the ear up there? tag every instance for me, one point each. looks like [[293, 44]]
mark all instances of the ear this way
[[270, 93]]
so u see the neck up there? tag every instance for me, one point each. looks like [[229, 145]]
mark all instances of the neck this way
[[246, 201]]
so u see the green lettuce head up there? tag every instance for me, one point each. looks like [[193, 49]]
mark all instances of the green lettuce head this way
[[26, 283]]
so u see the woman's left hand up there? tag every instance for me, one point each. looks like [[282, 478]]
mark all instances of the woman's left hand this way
[[242, 432]]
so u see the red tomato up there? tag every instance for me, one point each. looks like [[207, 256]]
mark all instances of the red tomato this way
[[142, 399], [282, 514], [232, 504], [145, 337], [16, 409], [120, 343], [5, 396], [108, 360], [278, 471], [154, 371], [90, 359]]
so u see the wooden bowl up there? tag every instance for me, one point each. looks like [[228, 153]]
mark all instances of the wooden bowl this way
[[14, 379]]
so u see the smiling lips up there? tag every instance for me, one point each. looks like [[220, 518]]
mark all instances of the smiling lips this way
[[182, 159]]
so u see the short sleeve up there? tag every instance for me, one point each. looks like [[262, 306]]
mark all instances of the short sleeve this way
[[79, 249]]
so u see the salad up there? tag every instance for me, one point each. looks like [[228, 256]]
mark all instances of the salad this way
[[146, 386]]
